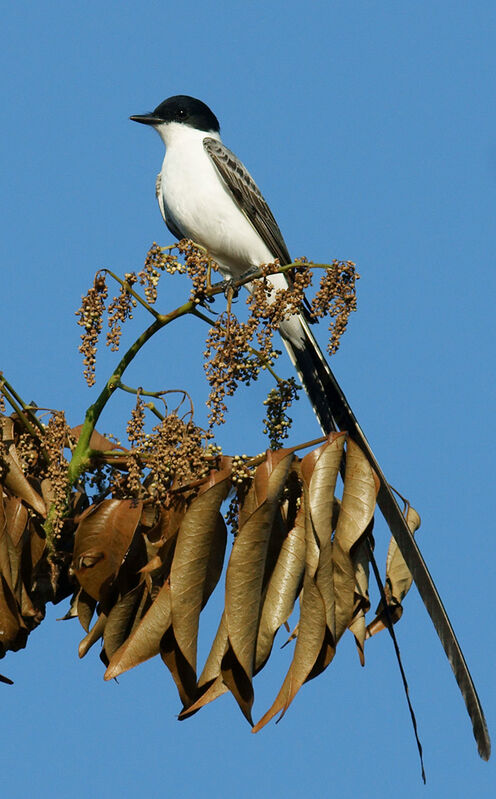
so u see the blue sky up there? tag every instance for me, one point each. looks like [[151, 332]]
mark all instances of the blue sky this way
[[370, 128]]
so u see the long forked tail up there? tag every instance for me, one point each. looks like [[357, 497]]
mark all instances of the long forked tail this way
[[334, 413]]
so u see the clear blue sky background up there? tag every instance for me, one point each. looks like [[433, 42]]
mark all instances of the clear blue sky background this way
[[371, 129]]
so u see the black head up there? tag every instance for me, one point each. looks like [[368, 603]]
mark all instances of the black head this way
[[183, 109]]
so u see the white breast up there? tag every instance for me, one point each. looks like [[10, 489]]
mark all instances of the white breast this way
[[197, 200]]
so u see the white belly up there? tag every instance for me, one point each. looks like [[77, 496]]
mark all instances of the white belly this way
[[196, 199]]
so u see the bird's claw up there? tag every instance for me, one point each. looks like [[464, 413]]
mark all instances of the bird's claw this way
[[229, 288]]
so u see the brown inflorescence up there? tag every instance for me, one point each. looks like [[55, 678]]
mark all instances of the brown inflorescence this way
[[176, 452], [277, 422], [336, 297], [90, 317], [56, 436], [119, 310]]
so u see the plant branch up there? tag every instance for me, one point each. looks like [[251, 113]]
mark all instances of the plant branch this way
[[126, 285], [82, 453]]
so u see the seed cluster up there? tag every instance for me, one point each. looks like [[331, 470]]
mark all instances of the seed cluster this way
[[197, 265], [90, 317], [269, 306], [228, 362], [277, 422], [119, 310], [28, 449], [175, 453], [336, 298], [235, 351], [230, 358], [56, 435], [241, 479], [149, 276]]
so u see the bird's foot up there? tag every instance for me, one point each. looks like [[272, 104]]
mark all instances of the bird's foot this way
[[229, 288]]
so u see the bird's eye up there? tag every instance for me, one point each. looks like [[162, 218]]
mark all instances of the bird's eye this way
[[181, 113]]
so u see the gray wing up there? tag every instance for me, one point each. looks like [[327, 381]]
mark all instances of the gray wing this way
[[178, 234], [248, 197]]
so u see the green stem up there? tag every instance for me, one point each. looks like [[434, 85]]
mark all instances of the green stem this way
[[82, 453], [151, 407], [265, 363], [17, 403], [126, 285]]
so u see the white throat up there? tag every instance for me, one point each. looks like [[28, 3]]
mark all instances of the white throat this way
[[173, 133]]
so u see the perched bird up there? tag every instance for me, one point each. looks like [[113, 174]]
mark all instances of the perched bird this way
[[206, 194]]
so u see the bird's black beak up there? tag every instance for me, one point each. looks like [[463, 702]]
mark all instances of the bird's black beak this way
[[146, 119]]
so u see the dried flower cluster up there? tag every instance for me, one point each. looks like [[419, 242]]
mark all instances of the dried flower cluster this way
[[160, 259], [230, 358], [228, 362], [28, 449], [236, 351], [241, 480], [197, 264], [137, 438], [55, 439], [90, 317], [336, 298], [155, 263], [269, 307], [176, 452], [119, 310], [279, 400]]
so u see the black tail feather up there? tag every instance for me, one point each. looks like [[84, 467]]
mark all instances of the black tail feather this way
[[334, 413]]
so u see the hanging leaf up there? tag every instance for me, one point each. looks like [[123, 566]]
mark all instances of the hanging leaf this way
[[210, 683], [197, 562], [282, 589], [309, 643], [102, 539], [398, 581], [93, 635], [356, 512], [144, 642], [245, 574], [121, 619], [360, 558]]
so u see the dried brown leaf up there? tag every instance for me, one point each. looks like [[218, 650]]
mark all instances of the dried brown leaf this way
[[282, 589], [85, 607], [93, 635], [398, 576], [144, 642], [16, 520], [212, 667], [121, 619], [201, 543], [309, 644], [245, 577], [215, 689], [398, 581], [182, 673], [16, 482], [360, 560], [356, 513], [102, 539], [246, 567]]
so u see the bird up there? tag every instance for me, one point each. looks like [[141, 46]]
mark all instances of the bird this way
[[206, 194]]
